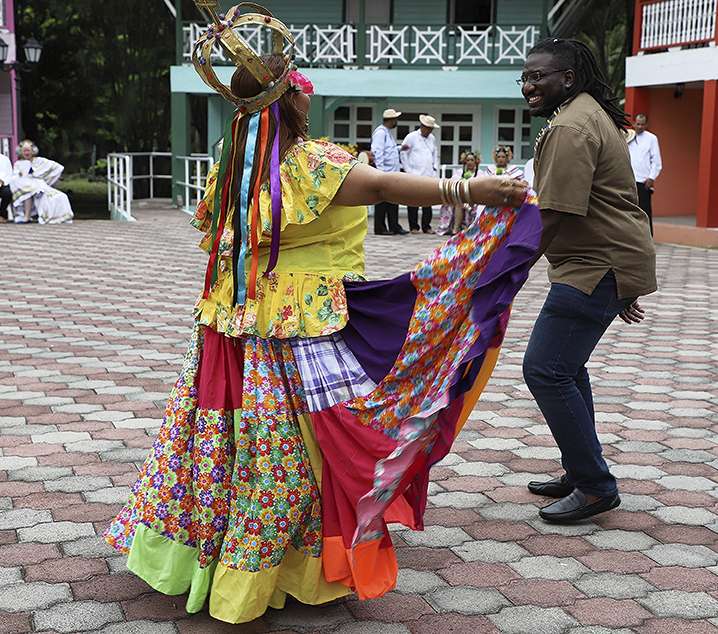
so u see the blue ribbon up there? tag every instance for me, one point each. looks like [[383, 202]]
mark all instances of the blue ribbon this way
[[252, 133]]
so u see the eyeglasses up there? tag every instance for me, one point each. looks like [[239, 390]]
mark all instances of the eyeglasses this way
[[535, 76]]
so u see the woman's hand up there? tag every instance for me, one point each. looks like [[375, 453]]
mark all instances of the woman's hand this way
[[495, 191]]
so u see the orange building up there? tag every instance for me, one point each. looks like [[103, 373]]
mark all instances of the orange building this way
[[672, 77]]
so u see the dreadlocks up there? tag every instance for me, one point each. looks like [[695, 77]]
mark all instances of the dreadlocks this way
[[578, 57]]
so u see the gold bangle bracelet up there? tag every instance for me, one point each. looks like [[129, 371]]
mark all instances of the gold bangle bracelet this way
[[467, 192], [447, 191], [441, 191], [457, 193]]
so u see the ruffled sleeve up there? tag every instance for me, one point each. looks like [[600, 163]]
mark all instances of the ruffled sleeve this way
[[311, 175]]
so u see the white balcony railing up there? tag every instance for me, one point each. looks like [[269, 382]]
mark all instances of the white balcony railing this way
[[673, 23], [196, 169], [395, 44]]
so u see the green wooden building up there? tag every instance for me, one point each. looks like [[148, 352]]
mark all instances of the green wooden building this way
[[454, 59]]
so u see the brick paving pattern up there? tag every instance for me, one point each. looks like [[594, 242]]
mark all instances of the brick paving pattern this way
[[93, 327]]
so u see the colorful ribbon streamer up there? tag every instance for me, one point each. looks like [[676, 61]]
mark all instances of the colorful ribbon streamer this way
[[243, 210], [276, 189], [254, 229], [221, 196]]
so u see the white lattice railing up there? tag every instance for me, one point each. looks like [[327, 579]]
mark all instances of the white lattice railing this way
[[668, 23], [314, 43], [336, 45], [333, 45]]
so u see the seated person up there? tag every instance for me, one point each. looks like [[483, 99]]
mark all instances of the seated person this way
[[34, 196]]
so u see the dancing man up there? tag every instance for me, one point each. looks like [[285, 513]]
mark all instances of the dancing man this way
[[601, 259]]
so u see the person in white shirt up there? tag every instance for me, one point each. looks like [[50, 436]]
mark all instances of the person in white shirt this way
[[646, 163], [386, 159], [6, 177], [34, 196], [419, 156]]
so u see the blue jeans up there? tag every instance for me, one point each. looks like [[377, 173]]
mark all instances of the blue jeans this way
[[567, 330]]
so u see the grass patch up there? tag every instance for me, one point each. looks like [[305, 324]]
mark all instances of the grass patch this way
[[88, 198], [81, 186]]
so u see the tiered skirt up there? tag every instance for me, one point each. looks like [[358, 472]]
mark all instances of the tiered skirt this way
[[280, 462]]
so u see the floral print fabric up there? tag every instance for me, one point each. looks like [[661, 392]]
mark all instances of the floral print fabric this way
[[234, 482], [440, 331]]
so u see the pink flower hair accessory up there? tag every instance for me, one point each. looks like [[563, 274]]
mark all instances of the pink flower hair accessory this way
[[301, 82]]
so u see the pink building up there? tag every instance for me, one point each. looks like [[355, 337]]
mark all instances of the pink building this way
[[9, 112]]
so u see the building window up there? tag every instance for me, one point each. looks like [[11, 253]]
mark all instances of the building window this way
[[457, 136], [472, 11], [514, 130], [353, 124]]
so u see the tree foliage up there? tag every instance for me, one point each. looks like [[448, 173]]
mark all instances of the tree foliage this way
[[103, 79], [607, 27]]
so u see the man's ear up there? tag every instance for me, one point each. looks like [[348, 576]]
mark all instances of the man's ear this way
[[569, 78]]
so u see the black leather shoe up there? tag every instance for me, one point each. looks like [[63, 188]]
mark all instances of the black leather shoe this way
[[400, 231], [576, 507], [556, 488], [383, 233]]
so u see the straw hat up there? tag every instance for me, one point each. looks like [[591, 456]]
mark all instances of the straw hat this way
[[390, 113], [428, 121]]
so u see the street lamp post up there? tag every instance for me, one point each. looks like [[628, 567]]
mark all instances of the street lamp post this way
[[32, 50]]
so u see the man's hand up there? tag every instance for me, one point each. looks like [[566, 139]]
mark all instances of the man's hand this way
[[634, 314], [649, 182]]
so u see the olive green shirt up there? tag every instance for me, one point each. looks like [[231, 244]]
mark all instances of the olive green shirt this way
[[583, 172]]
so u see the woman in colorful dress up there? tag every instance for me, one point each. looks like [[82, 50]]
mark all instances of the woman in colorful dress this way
[[502, 158], [34, 196], [311, 404], [455, 218]]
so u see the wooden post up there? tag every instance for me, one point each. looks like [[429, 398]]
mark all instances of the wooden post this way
[[180, 140], [317, 117], [637, 25], [362, 34], [179, 34], [707, 209]]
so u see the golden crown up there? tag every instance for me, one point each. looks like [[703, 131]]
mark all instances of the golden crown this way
[[222, 30]]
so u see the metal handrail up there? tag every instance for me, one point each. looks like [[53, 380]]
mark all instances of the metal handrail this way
[[195, 179], [151, 175], [119, 189]]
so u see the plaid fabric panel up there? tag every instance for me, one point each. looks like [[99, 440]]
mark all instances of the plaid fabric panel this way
[[329, 371]]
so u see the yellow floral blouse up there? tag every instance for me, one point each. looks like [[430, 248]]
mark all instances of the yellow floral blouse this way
[[321, 245]]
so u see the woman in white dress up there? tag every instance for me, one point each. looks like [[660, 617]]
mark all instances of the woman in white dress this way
[[33, 193], [501, 167]]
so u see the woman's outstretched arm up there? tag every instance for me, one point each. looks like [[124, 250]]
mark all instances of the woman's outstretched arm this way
[[366, 185]]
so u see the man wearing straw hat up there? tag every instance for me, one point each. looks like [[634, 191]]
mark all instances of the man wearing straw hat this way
[[386, 159], [419, 156]]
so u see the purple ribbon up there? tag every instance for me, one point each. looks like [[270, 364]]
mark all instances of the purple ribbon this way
[[276, 193]]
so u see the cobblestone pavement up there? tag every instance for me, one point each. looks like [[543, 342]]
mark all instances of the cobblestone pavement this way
[[93, 326]]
